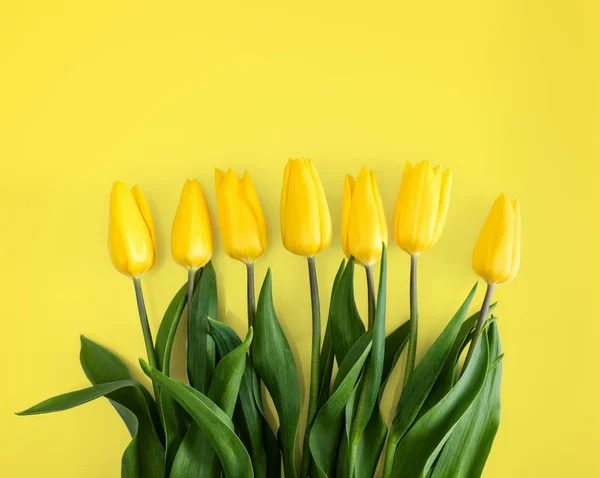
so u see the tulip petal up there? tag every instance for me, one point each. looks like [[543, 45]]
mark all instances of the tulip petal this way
[[256, 208], [346, 207], [380, 210], [130, 241], [284, 199], [219, 176], [144, 207], [401, 201], [492, 254], [324, 214], [445, 189], [516, 250], [191, 235]]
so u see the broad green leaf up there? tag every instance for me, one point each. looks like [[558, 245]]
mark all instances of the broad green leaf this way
[[135, 405], [327, 356], [273, 360], [212, 420], [467, 449], [256, 433], [369, 391], [422, 380], [421, 444], [196, 456], [201, 351], [327, 426], [137, 462], [345, 322]]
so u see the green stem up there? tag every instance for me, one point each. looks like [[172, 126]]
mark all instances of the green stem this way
[[485, 307], [314, 365], [250, 293], [371, 295], [145, 328], [414, 320], [190, 292]]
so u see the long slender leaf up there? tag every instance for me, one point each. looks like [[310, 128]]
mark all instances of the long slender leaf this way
[[422, 380], [345, 322], [328, 423], [447, 377], [196, 456], [327, 356], [467, 449], [135, 405], [419, 447], [201, 351], [274, 362], [134, 464], [256, 433], [213, 421], [371, 382]]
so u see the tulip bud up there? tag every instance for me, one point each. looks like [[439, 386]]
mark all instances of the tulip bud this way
[[131, 233], [304, 214], [364, 228], [241, 218], [497, 252], [191, 235], [421, 207]]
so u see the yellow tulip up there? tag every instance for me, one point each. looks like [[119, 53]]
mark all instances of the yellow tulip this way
[[421, 207], [241, 218], [131, 232], [497, 252], [364, 228], [191, 235], [304, 214]]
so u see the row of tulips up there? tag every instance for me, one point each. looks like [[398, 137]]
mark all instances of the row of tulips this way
[[438, 406]]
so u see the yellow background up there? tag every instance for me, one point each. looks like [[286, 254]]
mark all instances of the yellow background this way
[[503, 92]]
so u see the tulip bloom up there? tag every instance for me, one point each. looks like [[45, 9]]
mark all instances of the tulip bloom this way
[[191, 235], [364, 228], [304, 214], [421, 207], [497, 252], [241, 218], [131, 233], [496, 256]]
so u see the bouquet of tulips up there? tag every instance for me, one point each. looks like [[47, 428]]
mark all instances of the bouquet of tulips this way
[[215, 425]]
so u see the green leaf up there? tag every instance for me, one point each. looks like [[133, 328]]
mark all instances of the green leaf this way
[[373, 439], [256, 433], [144, 457], [467, 449], [423, 379], [448, 374], [169, 324], [200, 349], [212, 420], [327, 355], [174, 417], [345, 322], [135, 405], [196, 456], [326, 429], [369, 391], [394, 345], [273, 360], [420, 446]]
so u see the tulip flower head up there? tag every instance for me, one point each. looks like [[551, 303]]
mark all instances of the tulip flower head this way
[[241, 218], [191, 235], [305, 219], [131, 232], [422, 206], [364, 228], [497, 252]]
